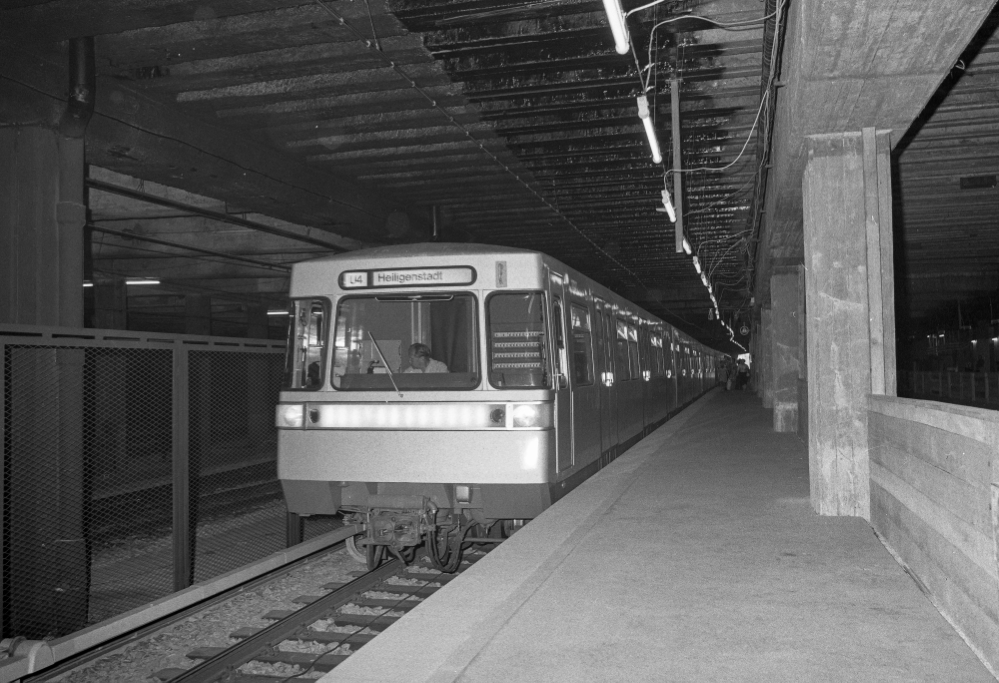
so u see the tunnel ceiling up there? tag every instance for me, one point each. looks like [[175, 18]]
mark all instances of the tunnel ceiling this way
[[518, 120], [282, 129]]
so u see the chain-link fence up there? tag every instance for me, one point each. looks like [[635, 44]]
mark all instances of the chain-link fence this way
[[133, 466]]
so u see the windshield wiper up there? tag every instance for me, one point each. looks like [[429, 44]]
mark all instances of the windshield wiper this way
[[382, 356]]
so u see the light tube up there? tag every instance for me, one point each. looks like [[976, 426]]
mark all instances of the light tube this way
[[704, 279], [686, 246], [669, 207], [618, 26], [697, 265], [142, 282], [650, 131], [282, 312]]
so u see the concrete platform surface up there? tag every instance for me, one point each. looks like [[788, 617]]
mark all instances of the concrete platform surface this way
[[695, 556]]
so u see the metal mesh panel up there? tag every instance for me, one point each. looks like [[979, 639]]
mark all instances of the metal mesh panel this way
[[240, 512], [86, 485], [117, 489]]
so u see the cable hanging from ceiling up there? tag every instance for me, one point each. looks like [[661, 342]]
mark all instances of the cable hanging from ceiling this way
[[372, 44]]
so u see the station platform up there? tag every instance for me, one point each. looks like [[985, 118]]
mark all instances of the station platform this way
[[695, 556]]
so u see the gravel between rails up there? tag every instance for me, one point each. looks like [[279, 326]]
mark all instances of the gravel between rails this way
[[136, 662]]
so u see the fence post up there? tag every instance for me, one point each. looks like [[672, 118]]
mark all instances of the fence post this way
[[183, 558], [3, 485], [294, 529]]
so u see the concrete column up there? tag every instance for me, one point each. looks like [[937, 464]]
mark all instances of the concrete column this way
[[42, 215], [846, 191], [260, 398], [785, 298], [197, 314], [802, 358], [766, 357], [110, 303], [257, 322]]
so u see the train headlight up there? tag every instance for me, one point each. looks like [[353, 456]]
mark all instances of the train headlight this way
[[290, 416], [530, 416]]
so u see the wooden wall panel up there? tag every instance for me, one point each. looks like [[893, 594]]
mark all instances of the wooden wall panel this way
[[933, 475]]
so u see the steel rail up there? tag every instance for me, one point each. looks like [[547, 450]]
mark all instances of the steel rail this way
[[60, 668], [225, 662]]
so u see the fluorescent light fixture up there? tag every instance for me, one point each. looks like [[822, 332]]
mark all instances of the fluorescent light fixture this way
[[650, 131], [704, 279], [142, 282], [668, 205], [88, 284], [686, 246], [697, 265], [280, 312], [618, 26]]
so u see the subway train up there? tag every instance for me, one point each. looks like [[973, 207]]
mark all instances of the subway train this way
[[440, 390]]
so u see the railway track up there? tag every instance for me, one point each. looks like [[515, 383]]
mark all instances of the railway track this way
[[324, 632]]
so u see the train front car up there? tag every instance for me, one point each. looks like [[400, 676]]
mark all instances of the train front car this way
[[418, 395]]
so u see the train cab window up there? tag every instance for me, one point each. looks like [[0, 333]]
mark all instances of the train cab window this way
[[304, 363], [621, 355], [582, 346], [410, 342], [636, 370], [517, 351]]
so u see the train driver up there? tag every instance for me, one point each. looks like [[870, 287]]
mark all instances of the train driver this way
[[420, 360]]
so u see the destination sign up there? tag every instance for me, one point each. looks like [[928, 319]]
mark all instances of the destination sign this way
[[407, 277]]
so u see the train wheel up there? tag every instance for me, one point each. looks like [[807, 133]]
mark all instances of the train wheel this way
[[356, 553], [374, 556]]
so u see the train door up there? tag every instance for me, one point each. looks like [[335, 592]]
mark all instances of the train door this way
[[563, 393], [605, 377], [584, 385], [671, 372], [646, 375]]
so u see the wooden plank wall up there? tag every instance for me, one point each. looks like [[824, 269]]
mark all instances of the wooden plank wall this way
[[934, 491]]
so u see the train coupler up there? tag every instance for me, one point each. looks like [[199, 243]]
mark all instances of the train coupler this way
[[396, 528]]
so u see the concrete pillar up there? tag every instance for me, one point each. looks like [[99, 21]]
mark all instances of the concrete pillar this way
[[802, 358], [260, 398], [110, 303], [257, 322], [785, 298], [197, 314], [849, 297], [42, 214], [766, 357]]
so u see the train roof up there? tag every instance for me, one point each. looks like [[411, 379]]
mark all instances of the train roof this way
[[428, 249], [431, 250]]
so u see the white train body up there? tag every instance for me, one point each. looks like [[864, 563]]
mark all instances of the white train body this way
[[550, 376]]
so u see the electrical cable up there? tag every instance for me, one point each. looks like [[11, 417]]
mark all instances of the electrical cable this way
[[468, 134]]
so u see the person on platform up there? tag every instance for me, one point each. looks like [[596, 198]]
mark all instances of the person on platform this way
[[420, 360], [742, 375]]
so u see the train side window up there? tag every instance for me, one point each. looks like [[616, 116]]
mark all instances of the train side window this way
[[608, 341], [582, 346], [636, 370], [558, 331], [621, 356], [305, 362], [657, 355], [517, 349]]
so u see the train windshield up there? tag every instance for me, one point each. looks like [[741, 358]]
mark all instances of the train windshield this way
[[517, 350], [428, 341]]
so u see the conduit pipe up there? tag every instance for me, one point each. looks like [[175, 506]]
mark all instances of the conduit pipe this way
[[82, 88]]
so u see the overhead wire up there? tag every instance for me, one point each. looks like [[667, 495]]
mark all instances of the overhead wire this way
[[435, 105]]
